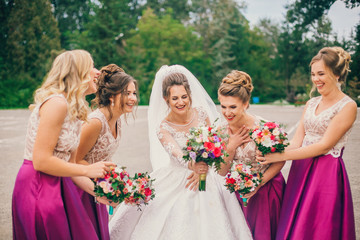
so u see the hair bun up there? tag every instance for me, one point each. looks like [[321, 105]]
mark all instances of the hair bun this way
[[109, 70], [344, 56], [240, 79]]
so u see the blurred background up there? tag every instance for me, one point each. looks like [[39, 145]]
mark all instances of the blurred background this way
[[209, 37]]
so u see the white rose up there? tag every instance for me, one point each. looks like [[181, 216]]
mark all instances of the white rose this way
[[205, 155]]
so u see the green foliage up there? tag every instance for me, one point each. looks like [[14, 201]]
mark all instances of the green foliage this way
[[210, 38], [158, 41], [31, 35]]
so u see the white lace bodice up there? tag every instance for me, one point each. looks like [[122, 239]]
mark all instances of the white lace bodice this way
[[316, 125], [173, 137], [68, 139], [106, 144], [246, 154]]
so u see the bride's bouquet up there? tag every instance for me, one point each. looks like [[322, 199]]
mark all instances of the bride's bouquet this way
[[117, 186], [269, 137], [205, 144], [243, 179]]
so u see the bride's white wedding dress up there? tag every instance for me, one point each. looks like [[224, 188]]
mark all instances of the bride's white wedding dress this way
[[176, 212]]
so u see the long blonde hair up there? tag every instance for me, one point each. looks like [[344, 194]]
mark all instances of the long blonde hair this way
[[69, 75]]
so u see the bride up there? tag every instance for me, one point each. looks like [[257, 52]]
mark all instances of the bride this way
[[179, 211]]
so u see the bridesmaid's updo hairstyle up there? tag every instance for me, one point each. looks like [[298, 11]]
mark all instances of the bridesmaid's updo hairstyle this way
[[112, 81], [237, 84], [175, 79], [336, 59]]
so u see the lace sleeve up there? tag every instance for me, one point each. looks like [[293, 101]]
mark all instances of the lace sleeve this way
[[171, 146]]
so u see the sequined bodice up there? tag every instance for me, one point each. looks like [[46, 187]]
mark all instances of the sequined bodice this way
[[316, 125], [246, 154], [106, 144], [173, 137], [68, 140]]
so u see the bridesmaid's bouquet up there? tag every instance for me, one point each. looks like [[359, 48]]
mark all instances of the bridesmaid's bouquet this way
[[243, 179], [117, 186], [141, 190], [269, 137], [205, 144]]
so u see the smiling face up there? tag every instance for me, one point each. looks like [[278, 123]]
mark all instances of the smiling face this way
[[94, 75], [322, 78], [130, 99], [233, 109], [179, 100]]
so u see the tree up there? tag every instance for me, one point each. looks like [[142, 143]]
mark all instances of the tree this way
[[32, 35], [108, 28], [157, 41], [353, 83], [71, 16]]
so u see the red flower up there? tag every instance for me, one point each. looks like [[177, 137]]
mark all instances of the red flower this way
[[189, 148], [273, 149], [209, 146], [230, 180], [209, 129], [115, 175], [272, 137], [217, 152], [148, 192]]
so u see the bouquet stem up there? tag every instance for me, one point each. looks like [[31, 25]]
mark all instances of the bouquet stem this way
[[245, 203], [202, 182], [111, 210]]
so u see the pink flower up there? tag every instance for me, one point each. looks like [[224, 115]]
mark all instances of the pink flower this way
[[273, 149], [270, 125]]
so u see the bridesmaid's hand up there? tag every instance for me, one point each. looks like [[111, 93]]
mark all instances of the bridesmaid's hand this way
[[193, 181], [99, 169], [239, 137], [105, 201], [268, 158], [250, 195]]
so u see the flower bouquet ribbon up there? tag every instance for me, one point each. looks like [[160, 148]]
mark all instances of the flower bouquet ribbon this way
[[205, 144], [242, 179], [117, 186]]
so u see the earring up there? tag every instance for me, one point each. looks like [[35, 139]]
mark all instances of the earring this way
[[112, 103]]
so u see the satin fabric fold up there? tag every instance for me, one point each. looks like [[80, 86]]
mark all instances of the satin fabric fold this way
[[47, 207], [263, 210], [317, 201], [97, 214]]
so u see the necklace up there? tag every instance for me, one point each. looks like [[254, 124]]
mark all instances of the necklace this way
[[183, 125]]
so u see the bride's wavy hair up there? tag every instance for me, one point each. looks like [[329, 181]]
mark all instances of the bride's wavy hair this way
[[112, 81], [175, 79], [237, 84], [69, 75]]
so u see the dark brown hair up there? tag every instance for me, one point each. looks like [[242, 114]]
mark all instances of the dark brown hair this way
[[112, 81]]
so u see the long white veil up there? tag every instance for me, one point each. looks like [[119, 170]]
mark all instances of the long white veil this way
[[158, 110]]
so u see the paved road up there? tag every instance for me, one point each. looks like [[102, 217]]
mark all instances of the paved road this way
[[134, 151]]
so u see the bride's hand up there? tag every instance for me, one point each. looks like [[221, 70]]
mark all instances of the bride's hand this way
[[193, 181]]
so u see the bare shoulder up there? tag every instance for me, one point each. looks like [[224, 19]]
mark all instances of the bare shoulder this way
[[93, 125], [55, 107]]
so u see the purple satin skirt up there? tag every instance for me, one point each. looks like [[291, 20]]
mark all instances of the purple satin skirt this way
[[317, 201], [263, 210], [47, 207], [97, 214]]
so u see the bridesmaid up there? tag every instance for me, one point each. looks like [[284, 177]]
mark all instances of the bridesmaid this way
[[317, 200], [41, 208], [100, 136], [263, 209]]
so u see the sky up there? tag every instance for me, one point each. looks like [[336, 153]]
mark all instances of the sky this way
[[342, 18]]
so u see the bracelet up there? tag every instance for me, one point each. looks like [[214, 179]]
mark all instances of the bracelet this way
[[95, 200]]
